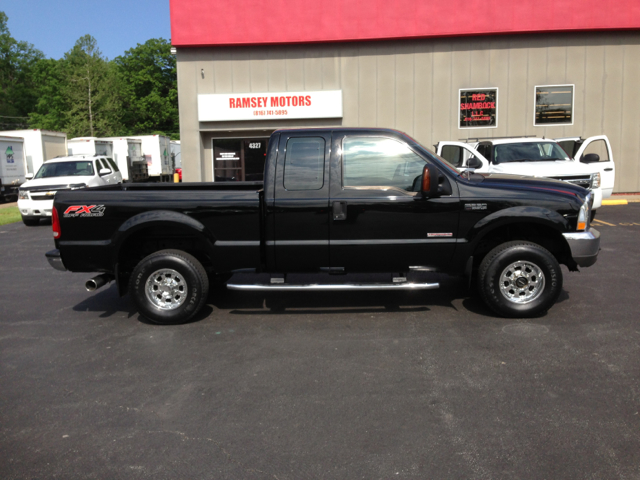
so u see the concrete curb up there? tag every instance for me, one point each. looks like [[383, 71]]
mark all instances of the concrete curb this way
[[621, 199]]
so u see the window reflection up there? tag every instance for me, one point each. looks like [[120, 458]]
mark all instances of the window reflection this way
[[304, 164], [380, 162]]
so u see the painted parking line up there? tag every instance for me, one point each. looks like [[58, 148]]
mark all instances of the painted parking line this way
[[615, 202], [599, 222]]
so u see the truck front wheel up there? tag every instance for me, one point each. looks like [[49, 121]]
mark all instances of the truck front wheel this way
[[169, 287], [519, 279]]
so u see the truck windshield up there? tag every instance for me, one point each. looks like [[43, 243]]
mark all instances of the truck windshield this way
[[65, 169], [528, 152]]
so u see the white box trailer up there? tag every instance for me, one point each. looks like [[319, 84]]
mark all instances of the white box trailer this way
[[12, 167], [90, 146], [175, 153], [40, 146], [157, 152], [127, 152]]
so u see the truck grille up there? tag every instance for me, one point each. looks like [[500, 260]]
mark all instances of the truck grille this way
[[583, 181], [42, 196]]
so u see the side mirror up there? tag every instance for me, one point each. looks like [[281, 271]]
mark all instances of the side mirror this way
[[29, 176], [474, 162], [429, 181], [590, 158], [104, 171]]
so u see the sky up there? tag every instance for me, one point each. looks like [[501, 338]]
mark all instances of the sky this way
[[53, 26]]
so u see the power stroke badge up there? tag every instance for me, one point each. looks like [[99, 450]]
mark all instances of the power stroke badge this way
[[84, 211]]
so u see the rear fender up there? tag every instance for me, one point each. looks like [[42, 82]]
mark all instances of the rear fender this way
[[166, 219]]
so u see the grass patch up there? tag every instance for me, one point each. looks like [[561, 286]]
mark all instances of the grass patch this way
[[9, 215]]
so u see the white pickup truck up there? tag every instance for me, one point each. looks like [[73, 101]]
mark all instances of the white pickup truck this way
[[588, 162]]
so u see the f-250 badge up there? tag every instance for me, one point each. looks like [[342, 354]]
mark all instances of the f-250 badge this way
[[84, 211], [475, 206]]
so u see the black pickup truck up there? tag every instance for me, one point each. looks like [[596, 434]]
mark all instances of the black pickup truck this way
[[333, 201]]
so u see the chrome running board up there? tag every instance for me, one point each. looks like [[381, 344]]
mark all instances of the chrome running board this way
[[279, 287]]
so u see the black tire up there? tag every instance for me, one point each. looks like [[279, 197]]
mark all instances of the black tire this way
[[593, 215], [544, 290], [192, 276], [30, 221]]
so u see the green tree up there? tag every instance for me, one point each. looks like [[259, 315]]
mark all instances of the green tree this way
[[17, 88], [51, 108], [149, 87], [91, 91]]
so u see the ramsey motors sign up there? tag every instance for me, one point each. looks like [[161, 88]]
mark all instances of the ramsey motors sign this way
[[272, 105]]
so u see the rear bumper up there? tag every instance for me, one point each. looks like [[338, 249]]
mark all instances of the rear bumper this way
[[584, 246], [53, 256]]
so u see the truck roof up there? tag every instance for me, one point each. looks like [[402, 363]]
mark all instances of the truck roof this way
[[361, 130], [75, 158], [502, 141]]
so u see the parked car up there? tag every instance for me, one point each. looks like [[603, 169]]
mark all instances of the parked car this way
[[35, 197], [539, 157], [333, 201]]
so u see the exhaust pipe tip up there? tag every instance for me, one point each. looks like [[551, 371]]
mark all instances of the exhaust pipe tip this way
[[98, 281]]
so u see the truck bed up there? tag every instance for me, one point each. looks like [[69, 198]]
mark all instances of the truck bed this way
[[228, 214]]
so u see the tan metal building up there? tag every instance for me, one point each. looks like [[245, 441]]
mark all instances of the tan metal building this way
[[560, 83]]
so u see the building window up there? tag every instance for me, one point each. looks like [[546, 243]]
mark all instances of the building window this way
[[554, 105], [478, 108]]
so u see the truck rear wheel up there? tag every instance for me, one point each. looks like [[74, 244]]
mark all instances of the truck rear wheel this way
[[519, 279], [169, 287]]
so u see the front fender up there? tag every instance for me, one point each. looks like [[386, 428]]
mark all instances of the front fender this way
[[508, 216]]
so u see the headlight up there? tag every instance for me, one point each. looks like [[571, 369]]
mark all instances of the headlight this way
[[585, 214], [23, 195], [596, 180], [76, 186]]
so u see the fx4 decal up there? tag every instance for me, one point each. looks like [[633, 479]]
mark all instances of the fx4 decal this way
[[84, 211]]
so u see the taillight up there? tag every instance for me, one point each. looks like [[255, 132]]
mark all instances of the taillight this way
[[55, 223]]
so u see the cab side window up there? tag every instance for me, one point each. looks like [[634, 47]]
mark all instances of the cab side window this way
[[101, 164], [452, 154], [114, 165], [379, 162], [304, 164], [484, 149], [599, 147]]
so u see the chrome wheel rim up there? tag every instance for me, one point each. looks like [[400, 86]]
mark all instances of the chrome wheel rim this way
[[166, 289], [521, 282]]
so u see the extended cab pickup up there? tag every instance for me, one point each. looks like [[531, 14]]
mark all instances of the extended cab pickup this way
[[333, 201]]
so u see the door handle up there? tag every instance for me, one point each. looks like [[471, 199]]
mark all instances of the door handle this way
[[608, 169], [339, 210]]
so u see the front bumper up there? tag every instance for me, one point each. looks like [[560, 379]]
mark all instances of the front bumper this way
[[53, 256], [584, 246], [35, 208]]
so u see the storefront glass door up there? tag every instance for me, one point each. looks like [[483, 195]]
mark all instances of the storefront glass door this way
[[239, 159]]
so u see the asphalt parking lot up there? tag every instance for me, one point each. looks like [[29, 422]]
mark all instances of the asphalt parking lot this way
[[317, 385]]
